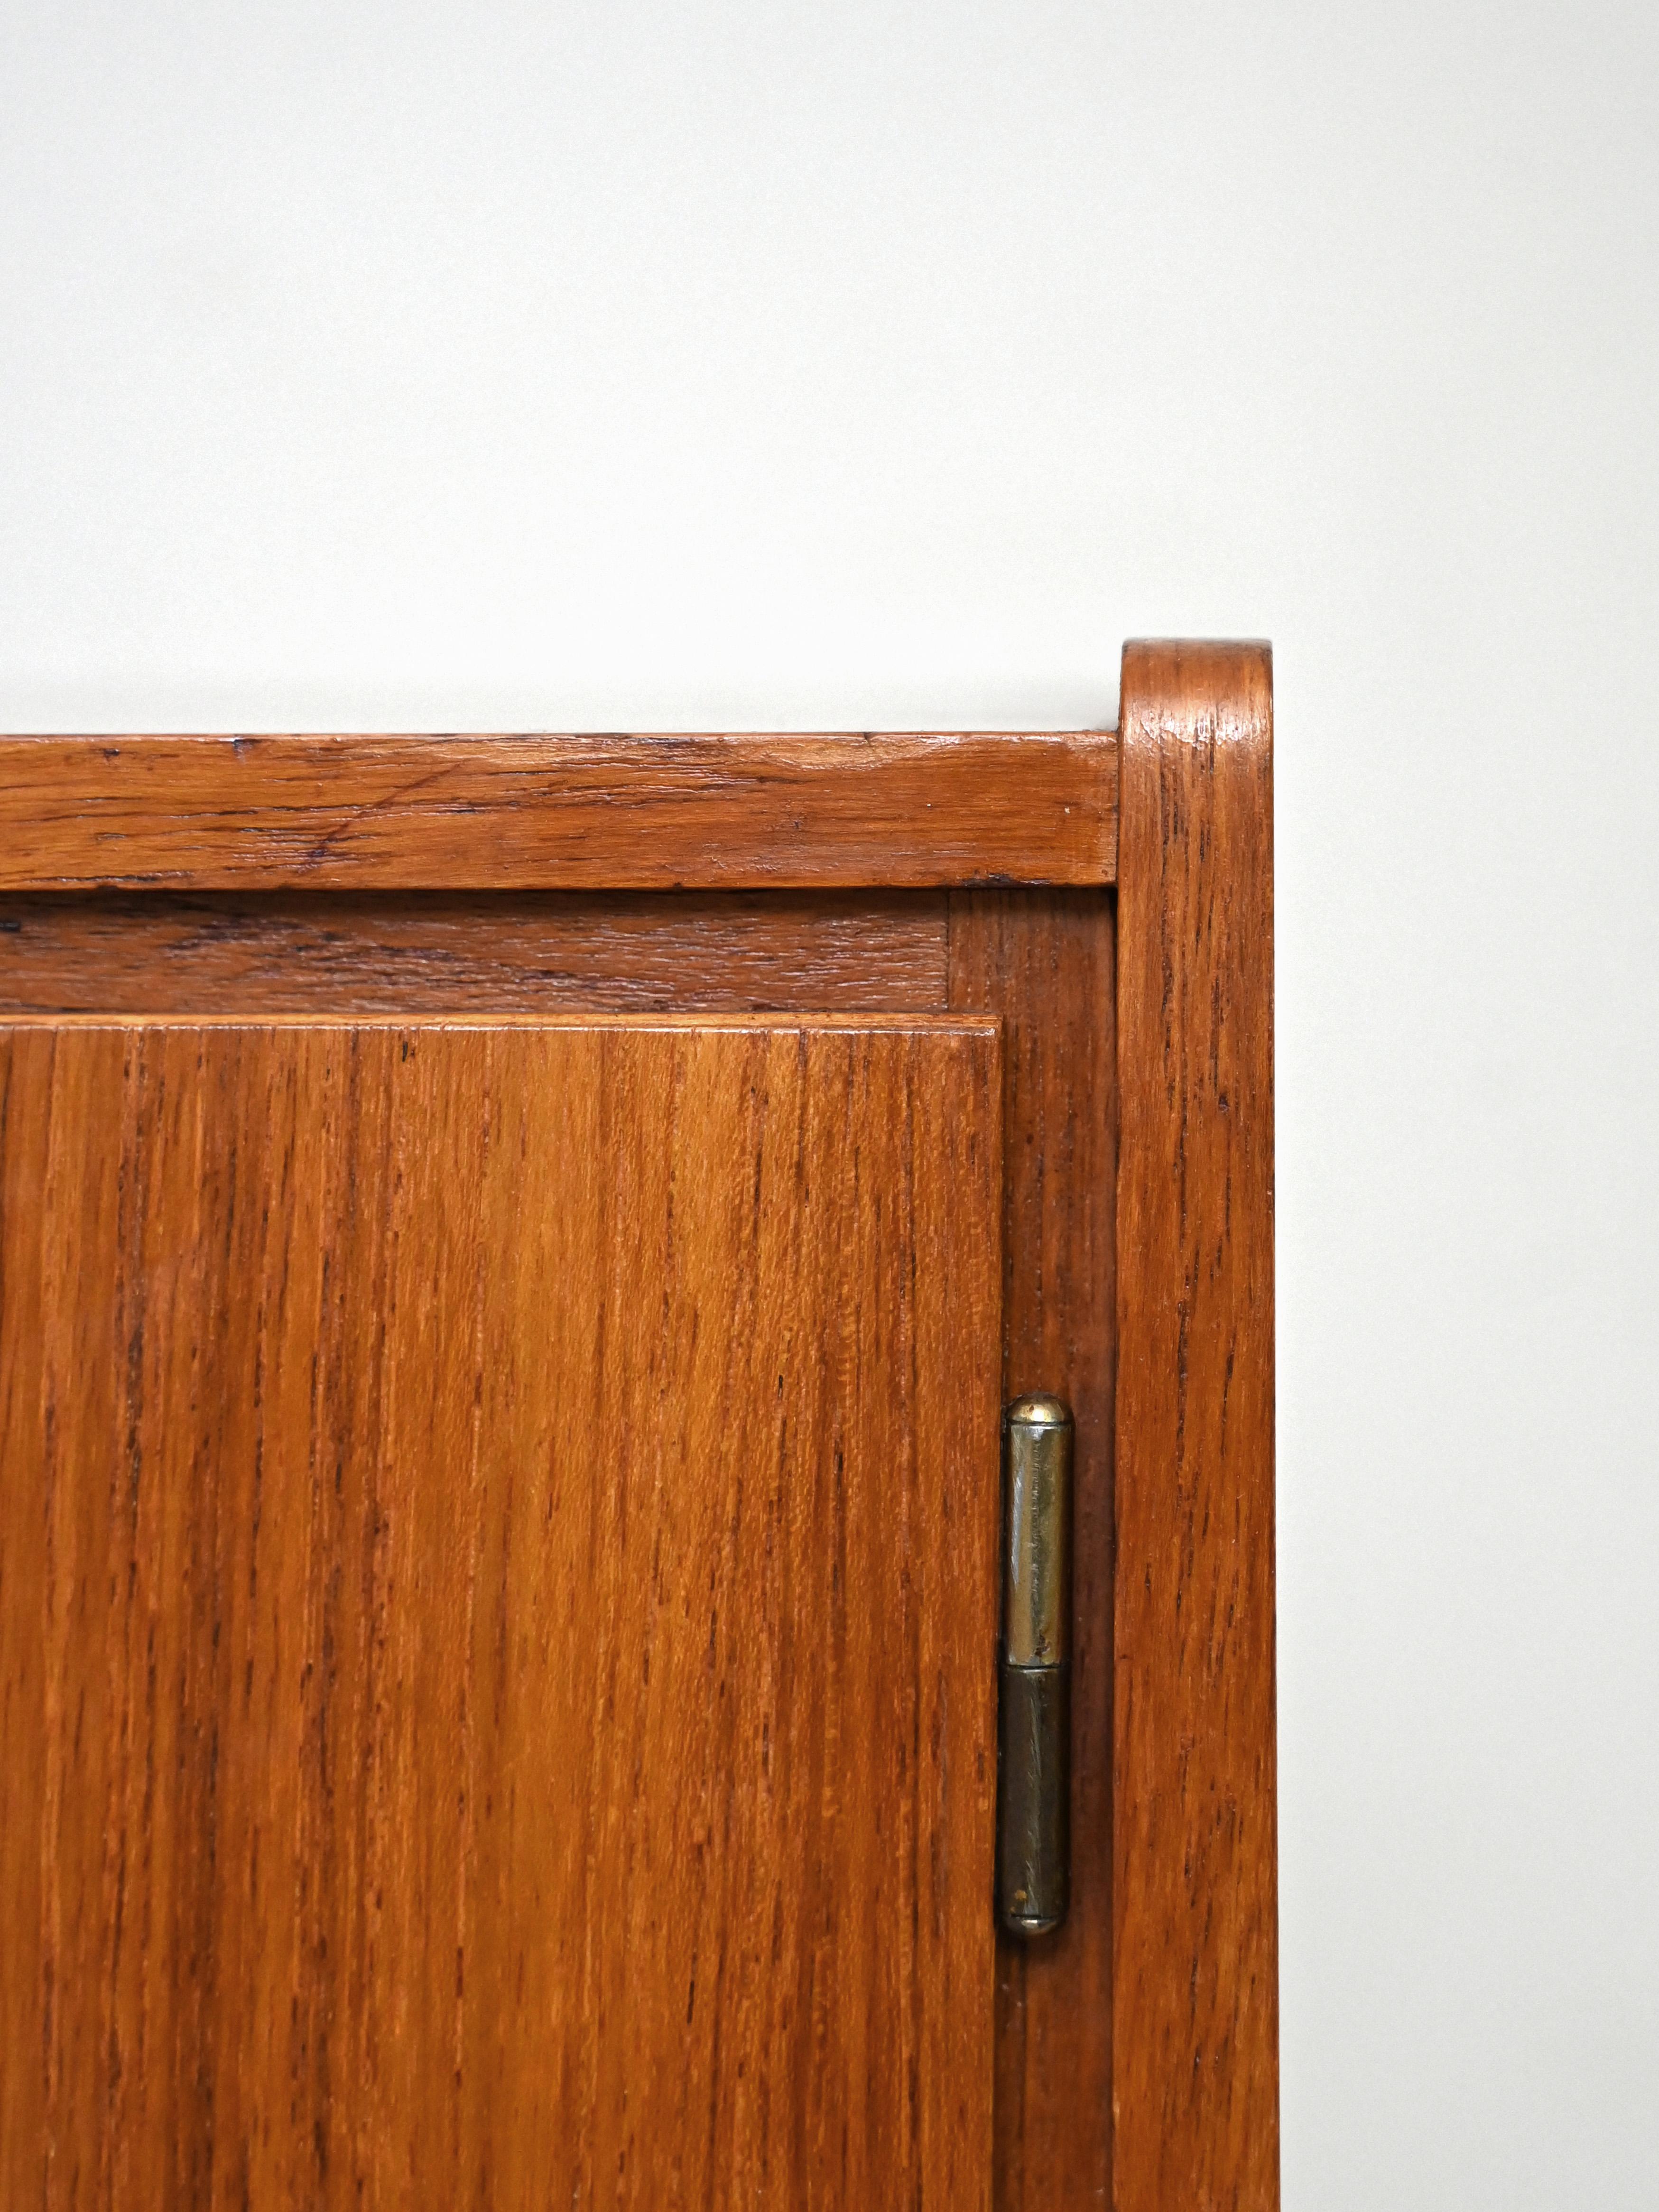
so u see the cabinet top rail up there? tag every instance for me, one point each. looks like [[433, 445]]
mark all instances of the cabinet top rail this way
[[909, 808]]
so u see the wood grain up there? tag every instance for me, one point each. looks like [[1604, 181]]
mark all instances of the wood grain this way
[[416, 952], [497, 1598], [1195, 2034], [328, 878], [506, 813], [1043, 962]]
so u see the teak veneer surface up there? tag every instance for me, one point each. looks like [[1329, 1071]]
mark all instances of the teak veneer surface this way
[[1196, 2032], [1135, 2054], [1041, 961], [498, 1547], [519, 813], [305, 952]]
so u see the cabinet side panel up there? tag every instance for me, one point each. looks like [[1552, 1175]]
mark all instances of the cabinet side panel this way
[[1195, 2047], [1043, 961]]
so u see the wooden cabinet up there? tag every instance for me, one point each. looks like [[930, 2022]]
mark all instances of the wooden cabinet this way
[[512, 1252]]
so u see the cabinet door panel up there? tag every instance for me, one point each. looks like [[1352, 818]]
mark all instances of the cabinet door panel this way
[[497, 1610]]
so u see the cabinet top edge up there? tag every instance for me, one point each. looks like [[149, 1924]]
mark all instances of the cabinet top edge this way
[[911, 809]]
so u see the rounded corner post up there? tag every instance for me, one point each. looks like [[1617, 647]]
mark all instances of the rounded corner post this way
[[1195, 1844]]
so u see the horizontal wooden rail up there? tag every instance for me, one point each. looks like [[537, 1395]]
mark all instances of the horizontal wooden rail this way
[[537, 813]]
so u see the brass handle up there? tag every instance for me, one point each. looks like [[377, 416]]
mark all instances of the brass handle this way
[[1034, 1749]]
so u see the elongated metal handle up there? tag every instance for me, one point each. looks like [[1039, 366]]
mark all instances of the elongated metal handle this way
[[1034, 1765]]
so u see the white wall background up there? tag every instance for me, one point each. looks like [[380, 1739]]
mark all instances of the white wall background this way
[[622, 364]]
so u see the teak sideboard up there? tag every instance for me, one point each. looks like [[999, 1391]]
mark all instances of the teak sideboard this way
[[513, 1252]]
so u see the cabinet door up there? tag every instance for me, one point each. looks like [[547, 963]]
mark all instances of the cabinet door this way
[[497, 1612]]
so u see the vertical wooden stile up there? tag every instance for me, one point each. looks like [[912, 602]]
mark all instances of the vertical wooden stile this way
[[1195, 1970]]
